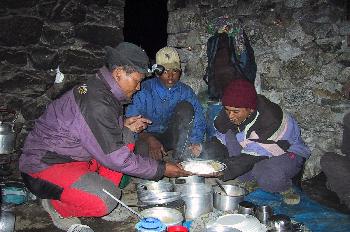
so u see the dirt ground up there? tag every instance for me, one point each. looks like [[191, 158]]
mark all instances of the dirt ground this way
[[31, 217]]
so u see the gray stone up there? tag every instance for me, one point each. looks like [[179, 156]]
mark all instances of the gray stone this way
[[100, 34], [296, 32], [73, 11], [294, 3], [17, 4], [58, 34], [184, 21], [13, 56], [333, 44], [43, 58], [344, 28], [80, 61], [285, 50], [178, 4], [20, 30]]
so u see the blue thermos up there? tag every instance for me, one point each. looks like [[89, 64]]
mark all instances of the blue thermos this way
[[150, 224]]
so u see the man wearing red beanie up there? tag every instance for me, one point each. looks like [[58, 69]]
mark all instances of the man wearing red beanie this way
[[264, 142]]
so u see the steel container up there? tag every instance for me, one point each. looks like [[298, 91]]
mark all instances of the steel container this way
[[235, 195], [198, 199]]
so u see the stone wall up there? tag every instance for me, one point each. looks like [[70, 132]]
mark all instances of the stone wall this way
[[300, 49], [37, 36]]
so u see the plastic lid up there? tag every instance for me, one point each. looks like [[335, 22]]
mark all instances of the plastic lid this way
[[177, 229], [150, 223]]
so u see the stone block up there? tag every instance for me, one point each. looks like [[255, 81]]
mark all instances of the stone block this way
[[10, 4], [25, 83], [100, 34], [285, 50], [20, 30], [80, 61], [43, 58], [13, 56], [71, 11], [184, 21], [58, 34]]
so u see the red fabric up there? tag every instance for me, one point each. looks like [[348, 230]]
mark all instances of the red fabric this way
[[291, 155], [131, 146], [240, 93], [75, 202]]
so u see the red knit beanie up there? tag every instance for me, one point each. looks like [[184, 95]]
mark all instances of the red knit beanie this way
[[240, 93]]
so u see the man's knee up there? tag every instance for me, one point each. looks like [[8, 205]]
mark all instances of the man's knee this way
[[95, 184], [270, 178]]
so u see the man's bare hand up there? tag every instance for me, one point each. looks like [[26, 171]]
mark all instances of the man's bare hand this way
[[156, 149], [175, 170], [137, 123]]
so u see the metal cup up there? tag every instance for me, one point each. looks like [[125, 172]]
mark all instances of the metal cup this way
[[263, 213], [246, 207]]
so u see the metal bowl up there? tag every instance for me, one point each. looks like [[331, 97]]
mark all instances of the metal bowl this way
[[169, 216], [235, 195], [158, 186], [160, 198], [280, 223]]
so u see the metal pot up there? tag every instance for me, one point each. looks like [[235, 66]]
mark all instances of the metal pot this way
[[7, 134], [198, 199], [188, 180], [7, 221], [235, 195]]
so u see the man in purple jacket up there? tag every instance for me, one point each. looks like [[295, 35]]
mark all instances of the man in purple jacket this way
[[264, 142], [82, 144]]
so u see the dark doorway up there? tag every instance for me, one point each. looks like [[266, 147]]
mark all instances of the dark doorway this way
[[145, 24]]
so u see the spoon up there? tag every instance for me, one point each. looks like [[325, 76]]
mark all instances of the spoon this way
[[221, 187], [123, 204]]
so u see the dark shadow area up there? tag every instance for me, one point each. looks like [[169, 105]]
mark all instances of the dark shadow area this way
[[316, 189], [145, 24]]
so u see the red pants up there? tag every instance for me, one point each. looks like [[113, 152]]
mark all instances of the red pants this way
[[77, 202]]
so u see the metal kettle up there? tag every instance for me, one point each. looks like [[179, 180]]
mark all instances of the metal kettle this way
[[7, 136]]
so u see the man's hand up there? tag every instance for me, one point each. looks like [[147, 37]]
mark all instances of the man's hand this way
[[195, 149], [156, 149], [137, 123], [175, 170]]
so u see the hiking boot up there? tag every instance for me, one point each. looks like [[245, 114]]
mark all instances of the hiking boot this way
[[117, 215], [290, 197], [59, 221]]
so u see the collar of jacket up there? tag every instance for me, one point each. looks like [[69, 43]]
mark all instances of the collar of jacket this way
[[248, 120], [105, 75], [162, 90]]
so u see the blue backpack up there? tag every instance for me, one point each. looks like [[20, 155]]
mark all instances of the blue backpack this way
[[238, 60]]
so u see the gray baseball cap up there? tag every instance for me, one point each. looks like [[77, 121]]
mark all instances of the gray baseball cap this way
[[127, 54]]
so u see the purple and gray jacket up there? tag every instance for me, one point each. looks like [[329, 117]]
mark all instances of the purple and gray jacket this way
[[87, 123], [267, 132]]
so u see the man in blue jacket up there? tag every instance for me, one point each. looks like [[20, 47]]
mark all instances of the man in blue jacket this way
[[177, 116]]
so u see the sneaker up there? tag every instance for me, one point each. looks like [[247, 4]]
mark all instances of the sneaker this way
[[59, 221], [290, 197], [117, 215]]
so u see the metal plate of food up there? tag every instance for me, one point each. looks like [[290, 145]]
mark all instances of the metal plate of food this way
[[203, 167]]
